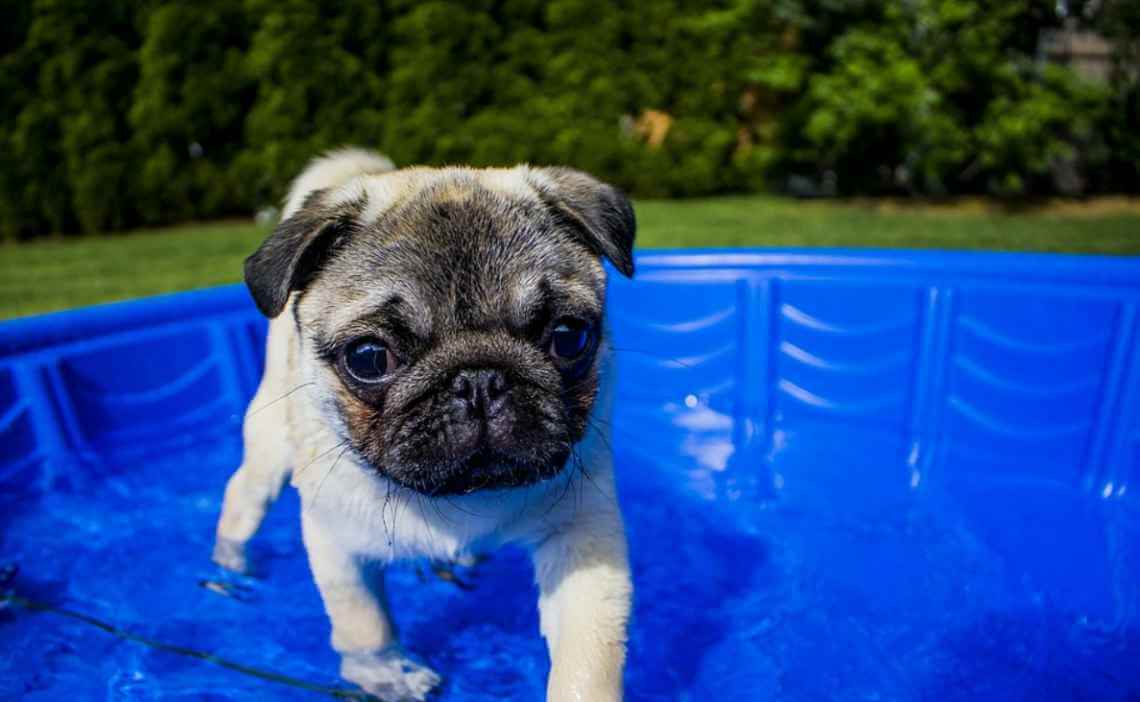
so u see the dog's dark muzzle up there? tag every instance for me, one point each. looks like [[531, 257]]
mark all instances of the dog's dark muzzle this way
[[481, 431]]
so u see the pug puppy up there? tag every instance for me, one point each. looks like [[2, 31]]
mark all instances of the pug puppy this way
[[438, 382]]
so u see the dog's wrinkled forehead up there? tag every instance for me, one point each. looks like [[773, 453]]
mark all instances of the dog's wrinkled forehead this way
[[475, 243], [457, 250]]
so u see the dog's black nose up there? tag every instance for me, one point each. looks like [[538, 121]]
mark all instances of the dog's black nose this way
[[481, 392]]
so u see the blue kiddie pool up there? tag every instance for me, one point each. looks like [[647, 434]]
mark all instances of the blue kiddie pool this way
[[847, 475]]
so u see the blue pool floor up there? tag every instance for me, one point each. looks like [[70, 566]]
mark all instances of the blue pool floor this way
[[832, 588]]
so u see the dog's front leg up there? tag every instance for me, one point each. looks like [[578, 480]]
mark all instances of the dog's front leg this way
[[585, 592], [353, 594], [268, 455]]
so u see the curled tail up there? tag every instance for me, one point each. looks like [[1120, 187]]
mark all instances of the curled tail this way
[[331, 170]]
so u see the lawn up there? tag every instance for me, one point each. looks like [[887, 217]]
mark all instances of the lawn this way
[[58, 274]]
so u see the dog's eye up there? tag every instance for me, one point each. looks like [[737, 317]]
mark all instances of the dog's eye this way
[[368, 360], [569, 339]]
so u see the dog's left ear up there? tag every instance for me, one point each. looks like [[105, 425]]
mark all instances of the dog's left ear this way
[[289, 257], [601, 213]]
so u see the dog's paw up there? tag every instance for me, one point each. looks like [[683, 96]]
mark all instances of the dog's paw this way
[[389, 675], [231, 555]]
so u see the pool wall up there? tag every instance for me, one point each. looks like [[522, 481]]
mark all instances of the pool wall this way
[[845, 475]]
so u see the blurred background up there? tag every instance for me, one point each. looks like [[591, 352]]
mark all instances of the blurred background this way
[[997, 124]]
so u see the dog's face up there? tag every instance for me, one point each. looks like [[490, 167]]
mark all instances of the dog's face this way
[[453, 318]]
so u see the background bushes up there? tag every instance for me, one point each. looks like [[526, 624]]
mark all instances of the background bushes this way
[[116, 114]]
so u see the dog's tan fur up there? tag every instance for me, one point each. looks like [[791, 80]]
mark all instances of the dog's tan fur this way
[[354, 521]]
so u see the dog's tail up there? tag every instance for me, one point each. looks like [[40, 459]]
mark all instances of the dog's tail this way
[[332, 169]]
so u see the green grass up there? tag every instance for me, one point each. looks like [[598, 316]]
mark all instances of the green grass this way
[[54, 275], [57, 274]]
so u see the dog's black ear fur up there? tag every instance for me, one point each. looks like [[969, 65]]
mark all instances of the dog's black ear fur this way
[[291, 256], [601, 213]]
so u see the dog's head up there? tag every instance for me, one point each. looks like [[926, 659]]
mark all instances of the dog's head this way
[[452, 318]]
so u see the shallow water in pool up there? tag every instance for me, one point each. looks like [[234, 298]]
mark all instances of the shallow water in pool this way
[[832, 586]]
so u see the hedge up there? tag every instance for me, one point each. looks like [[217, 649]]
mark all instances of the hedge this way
[[119, 114]]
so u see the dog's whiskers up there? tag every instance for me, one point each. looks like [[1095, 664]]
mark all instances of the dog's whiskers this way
[[383, 510], [401, 498], [267, 405], [321, 455], [603, 424], [457, 508], [587, 476], [326, 477], [439, 512], [565, 489], [427, 522]]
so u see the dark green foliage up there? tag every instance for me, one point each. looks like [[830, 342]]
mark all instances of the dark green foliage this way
[[65, 141], [1120, 120], [189, 109], [120, 113]]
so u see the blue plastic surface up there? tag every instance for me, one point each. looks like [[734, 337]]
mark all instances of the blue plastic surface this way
[[846, 475]]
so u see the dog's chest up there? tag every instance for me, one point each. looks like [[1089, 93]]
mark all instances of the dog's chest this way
[[373, 518]]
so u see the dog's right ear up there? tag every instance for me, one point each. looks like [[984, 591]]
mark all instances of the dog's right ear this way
[[291, 256]]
